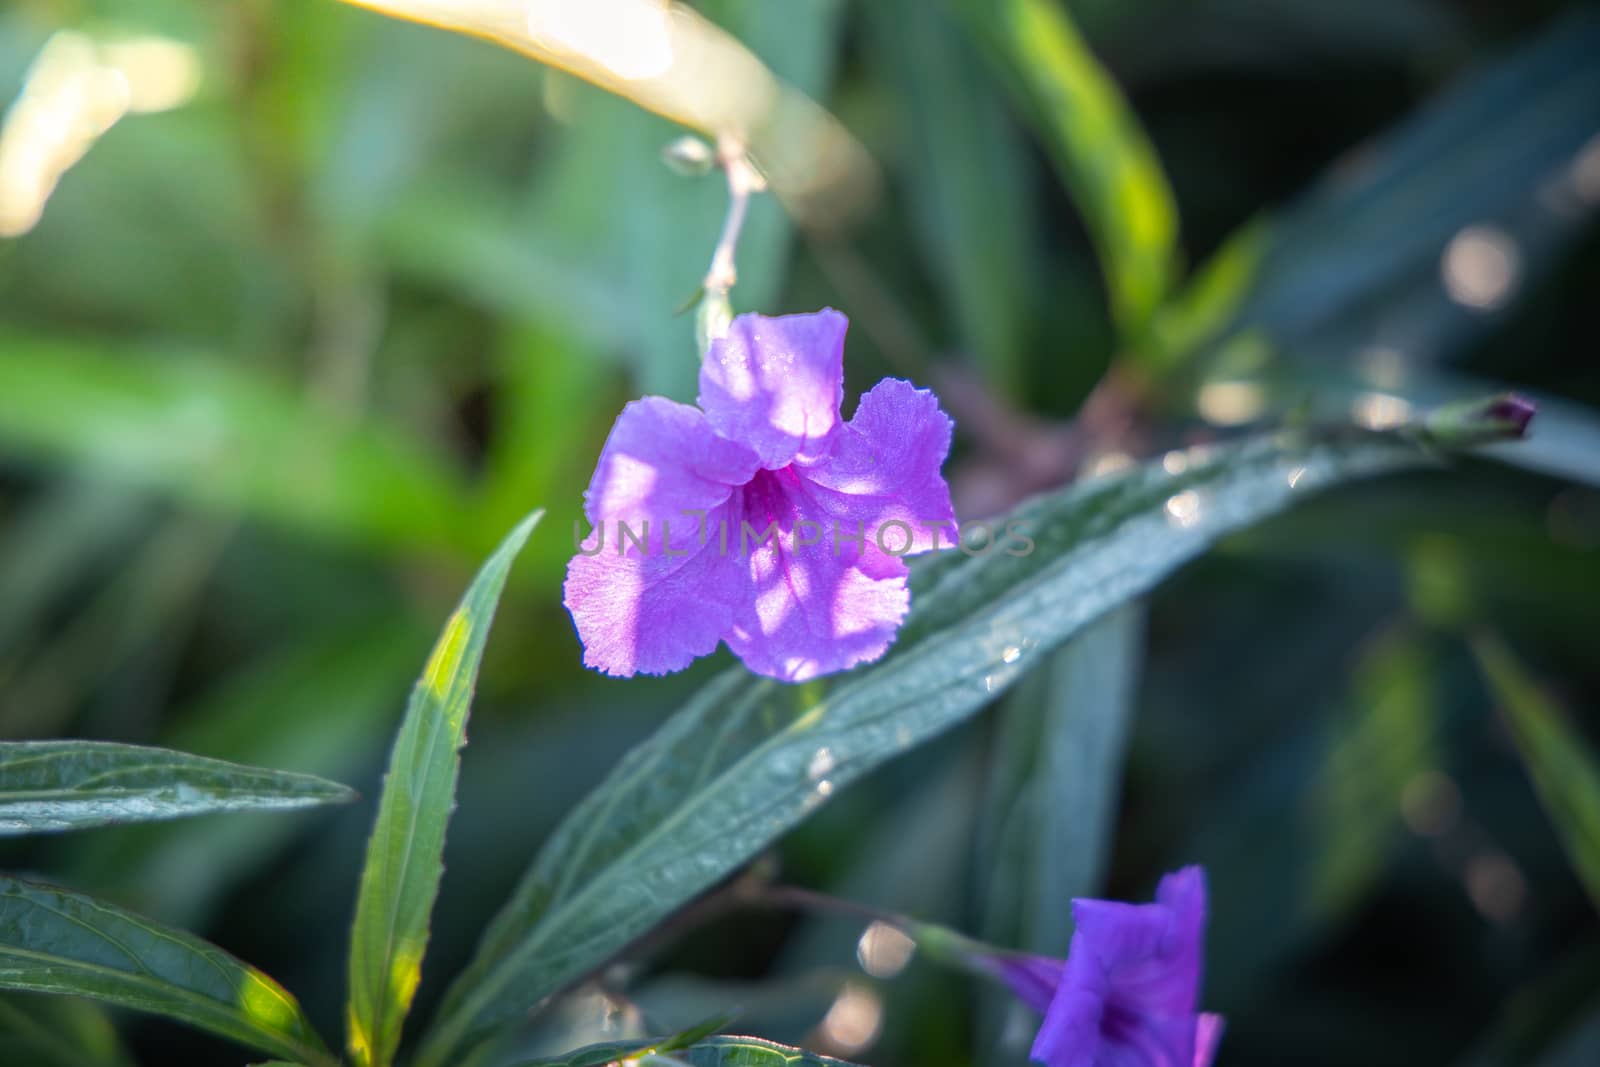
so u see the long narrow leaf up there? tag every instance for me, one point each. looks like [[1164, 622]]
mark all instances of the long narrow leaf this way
[[68, 785], [405, 856], [1559, 760], [54, 941], [748, 759], [1053, 806], [1098, 146]]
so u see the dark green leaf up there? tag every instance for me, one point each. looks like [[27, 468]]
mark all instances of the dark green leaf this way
[[1356, 264], [320, 705], [54, 941], [40, 1031], [1053, 803], [750, 758], [1558, 1008], [1563, 440], [68, 785], [1563, 769], [967, 177], [405, 856]]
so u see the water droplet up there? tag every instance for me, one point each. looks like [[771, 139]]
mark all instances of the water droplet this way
[[1183, 509], [1011, 655], [822, 764]]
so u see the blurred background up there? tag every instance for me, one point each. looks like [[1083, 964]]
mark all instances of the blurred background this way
[[301, 308]]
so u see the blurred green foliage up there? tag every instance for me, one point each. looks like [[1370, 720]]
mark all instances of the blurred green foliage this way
[[279, 367]]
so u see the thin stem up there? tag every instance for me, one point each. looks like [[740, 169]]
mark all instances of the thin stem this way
[[743, 179], [716, 313], [798, 899], [937, 942]]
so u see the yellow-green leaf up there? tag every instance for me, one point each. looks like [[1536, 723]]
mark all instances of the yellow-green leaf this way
[[405, 856], [54, 941], [1101, 151]]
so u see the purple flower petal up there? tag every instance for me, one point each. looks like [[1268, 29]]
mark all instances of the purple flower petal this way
[[645, 609], [760, 517], [661, 461], [775, 384], [884, 467], [652, 613], [1131, 983], [1034, 979], [813, 610], [1207, 1036]]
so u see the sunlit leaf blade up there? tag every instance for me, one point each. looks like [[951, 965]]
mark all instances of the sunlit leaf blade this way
[[1053, 801], [405, 855], [749, 758], [216, 436], [715, 1052], [68, 785], [669, 59], [1559, 760], [55, 941], [1098, 146]]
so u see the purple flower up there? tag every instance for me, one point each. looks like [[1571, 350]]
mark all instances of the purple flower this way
[[760, 518], [1127, 994]]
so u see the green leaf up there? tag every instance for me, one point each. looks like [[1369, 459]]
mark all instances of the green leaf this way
[[966, 173], [1562, 442], [1103, 154], [54, 941], [749, 758], [39, 1031], [321, 704], [69, 785], [717, 1052], [1564, 771], [1363, 249], [1558, 1007], [1054, 804], [218, 437], [405, 856]]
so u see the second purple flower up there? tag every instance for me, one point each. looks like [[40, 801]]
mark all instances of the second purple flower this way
[[761, 518]]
